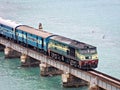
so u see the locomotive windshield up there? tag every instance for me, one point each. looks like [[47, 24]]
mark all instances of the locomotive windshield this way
[[88, 51], [87, 54]]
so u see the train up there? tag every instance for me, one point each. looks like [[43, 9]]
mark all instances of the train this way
[[75, 53]]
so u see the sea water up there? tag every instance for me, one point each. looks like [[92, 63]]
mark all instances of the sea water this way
[[96, 22]]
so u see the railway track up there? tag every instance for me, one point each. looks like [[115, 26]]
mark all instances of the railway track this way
[[105, 77]]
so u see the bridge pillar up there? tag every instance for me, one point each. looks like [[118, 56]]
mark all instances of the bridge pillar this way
[[10, 53], [27, 61], [2, 47], [69, 80], [95, 87], [47, 70], [93, 84]]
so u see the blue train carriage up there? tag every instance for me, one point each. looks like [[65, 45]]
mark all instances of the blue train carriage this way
[[75, 53], [32, 37], [23, 35], [7, 28]]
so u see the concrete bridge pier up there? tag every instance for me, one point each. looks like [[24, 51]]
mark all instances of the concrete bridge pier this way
[[47, 70], [93, 84], [2, 47], [95, 87], [10, 53], [69, 80], [27, 61]]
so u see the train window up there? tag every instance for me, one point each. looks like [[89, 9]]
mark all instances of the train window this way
[[93, 51], [84, 51]]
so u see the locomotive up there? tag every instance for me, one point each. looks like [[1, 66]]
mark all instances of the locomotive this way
[[72, 52]]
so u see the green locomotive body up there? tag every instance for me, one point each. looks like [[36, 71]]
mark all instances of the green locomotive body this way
[[75, 53]]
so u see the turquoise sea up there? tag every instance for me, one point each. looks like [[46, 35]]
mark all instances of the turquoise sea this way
[[96, 22]]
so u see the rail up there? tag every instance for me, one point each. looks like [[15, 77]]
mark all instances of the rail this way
[[106, 77]]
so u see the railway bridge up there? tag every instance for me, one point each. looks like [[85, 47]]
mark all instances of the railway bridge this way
[[70, 76]]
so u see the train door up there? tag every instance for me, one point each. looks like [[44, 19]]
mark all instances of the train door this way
[[42, 43], [72, 51], [16, 35]]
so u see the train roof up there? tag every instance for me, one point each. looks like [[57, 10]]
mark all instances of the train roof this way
[[9, 23], [34, 31], [71, 42]]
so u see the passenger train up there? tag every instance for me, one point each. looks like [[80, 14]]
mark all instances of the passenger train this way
[[72, 52]]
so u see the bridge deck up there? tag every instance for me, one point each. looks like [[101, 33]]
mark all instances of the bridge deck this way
[[95, 77]]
